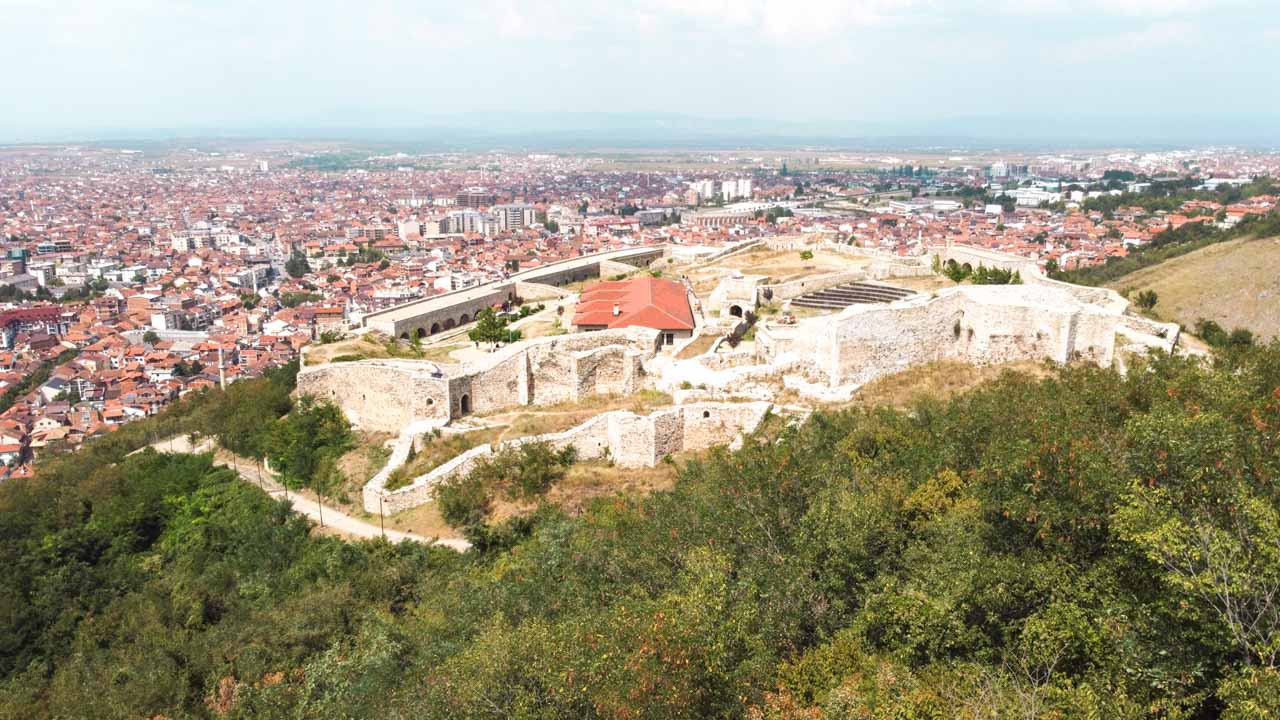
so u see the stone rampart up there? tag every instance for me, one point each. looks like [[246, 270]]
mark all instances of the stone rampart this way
[[628, 439], [796, 288], [387, 395], [380, 395], [976, 256], [979, 324]]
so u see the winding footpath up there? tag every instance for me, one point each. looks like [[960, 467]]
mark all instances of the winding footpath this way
[[329, 517]]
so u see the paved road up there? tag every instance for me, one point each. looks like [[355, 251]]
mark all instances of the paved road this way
[[333, 519]]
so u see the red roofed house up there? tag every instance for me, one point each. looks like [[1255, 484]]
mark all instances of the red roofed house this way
[[644, 301]]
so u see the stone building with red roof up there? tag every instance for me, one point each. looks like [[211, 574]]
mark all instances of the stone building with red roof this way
[[642, 301]]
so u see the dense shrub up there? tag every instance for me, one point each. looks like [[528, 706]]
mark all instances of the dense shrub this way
[[1085, 545]]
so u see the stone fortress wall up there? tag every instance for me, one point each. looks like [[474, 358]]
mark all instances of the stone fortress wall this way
[[982, 325], [628, 439], [388, 395], [824, 356]]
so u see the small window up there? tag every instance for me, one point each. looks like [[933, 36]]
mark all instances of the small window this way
[[706, 413], [669, 338]]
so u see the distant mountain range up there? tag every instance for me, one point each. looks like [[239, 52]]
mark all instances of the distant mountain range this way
[[594, 131]]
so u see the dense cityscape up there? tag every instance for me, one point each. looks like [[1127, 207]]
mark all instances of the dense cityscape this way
[[134, 277]]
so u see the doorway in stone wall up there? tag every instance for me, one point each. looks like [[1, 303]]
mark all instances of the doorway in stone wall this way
[[464, 405]]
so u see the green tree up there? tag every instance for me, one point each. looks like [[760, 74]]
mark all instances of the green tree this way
[[297, 265], [1147, 299], [492, 329], [301, 443]]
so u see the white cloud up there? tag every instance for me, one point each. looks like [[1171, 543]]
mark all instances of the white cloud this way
[[1159, 36], [788, 19], [1149, 9]]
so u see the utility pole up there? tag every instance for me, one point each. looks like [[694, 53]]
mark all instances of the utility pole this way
[[320, 505], [382, 520]]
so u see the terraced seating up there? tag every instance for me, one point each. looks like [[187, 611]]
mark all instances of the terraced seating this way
[[838, 298]]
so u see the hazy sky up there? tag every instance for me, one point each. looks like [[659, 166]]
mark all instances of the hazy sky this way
[[96, 65]]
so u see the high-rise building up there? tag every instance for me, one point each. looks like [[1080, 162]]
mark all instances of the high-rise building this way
[[514, 216], [475, 198], [462, 221]]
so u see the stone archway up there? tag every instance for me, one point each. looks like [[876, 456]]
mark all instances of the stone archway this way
[[464, 405], [735, 310], [420, 333], [404, 335], [449, 324], [435, 328], [464, 319]]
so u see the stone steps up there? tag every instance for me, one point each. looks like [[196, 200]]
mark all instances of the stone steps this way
[[840, 297]]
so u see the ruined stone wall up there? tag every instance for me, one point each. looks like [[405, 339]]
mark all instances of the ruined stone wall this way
[[610, 370], [739, 290], [871, 340], [708, 425], [899, 268], [377, 395], [980, 324], [387, 395], [629, 440], [976, 256], [796, 288], [502, 384], [533, 292]]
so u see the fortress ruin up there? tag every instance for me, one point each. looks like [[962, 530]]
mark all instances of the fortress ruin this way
[[805, 340]]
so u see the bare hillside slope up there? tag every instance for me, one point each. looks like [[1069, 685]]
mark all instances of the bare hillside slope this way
[[1236, 283]]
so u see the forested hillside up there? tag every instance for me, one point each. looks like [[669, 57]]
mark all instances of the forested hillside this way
[[1085, 545]]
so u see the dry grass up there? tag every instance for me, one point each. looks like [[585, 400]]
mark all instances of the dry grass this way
[[1235, 283], [924, 283], [700, 344], [358, 466], [374, 346], [779, 265], [938, 380], [361, 346], [442, 353], [587, 480], [436, 452], [543, 419], [784, 265], [540, 328], [424, 520]]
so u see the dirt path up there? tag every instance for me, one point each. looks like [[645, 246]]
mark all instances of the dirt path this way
[[334, 520]]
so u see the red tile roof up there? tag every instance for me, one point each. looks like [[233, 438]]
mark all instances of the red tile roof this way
[[644, 301]]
